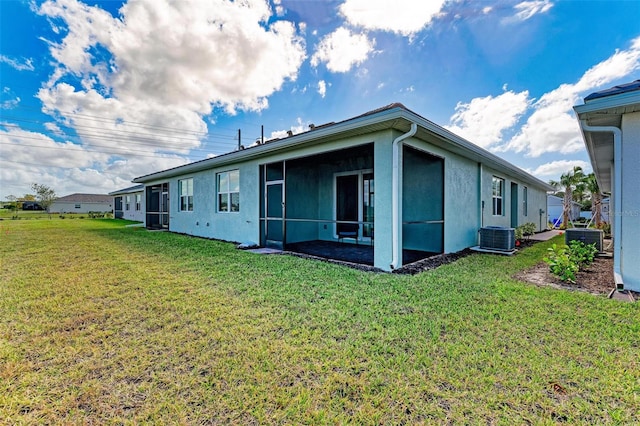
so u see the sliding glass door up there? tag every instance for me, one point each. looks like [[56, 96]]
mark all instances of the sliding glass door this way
[[354, 202]]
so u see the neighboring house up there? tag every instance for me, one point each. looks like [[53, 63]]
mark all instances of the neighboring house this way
[[390, 178], [31, 205], [129, 203], [610, 124], [82, 203], [555, 208]]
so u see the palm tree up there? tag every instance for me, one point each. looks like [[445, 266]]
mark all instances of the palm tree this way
[[596, 198], [569, 181]]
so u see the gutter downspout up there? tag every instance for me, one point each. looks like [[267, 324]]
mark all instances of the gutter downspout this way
[[481, 204], [396, 181], [617, 190]]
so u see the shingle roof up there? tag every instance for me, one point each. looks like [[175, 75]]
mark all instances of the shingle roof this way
[[615, 90], [393, 116], [128, 190], [85, 198]]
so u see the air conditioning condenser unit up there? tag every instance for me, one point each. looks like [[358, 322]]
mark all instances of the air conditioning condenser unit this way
[[587, 236], [497, 238]]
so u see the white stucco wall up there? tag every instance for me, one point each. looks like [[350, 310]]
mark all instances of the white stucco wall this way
[[205, 220], [84, 207], [627, 216], [132, 213], [537, 200]]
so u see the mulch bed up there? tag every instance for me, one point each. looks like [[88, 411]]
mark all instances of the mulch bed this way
[[596, 279], [432, 262]]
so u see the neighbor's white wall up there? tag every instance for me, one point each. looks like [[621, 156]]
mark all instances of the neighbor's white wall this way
[[628, 214], [70, 207], [132, 213]]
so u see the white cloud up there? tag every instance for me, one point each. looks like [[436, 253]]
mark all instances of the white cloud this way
[[341, 50], [180, 54], [528, 9], [552, 127], [299, 127], [124, 126], [30, 157], [554, 169], [483, 120], [322, 88], [54, 128], [405, 17], [20, 65], [279, 8], [135, 87], [10, 103], [22, 146]]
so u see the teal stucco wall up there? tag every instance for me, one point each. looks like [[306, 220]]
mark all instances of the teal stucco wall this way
[[310, 194]]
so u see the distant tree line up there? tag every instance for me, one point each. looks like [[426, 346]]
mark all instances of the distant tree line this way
[[44, 196]]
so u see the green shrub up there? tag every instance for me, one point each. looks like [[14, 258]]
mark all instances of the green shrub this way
[[525, 230], [582, 254], [561, 264], [519, 233], [564, 262]]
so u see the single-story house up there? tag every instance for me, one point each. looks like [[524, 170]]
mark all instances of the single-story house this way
[[388, 181], [82, 203], [31, 205], [610, 124], [555, 208], [129, 203]]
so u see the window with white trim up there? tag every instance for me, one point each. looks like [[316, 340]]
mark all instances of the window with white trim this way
[[497, 188], [228, 184], [127, 202], [525, 201], [138, 202], [185, 192]]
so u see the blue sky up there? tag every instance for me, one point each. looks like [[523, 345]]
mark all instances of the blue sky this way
[[94, 94]]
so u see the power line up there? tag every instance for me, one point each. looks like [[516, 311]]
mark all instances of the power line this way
[[132, 123], [81, 126], [134, 141]]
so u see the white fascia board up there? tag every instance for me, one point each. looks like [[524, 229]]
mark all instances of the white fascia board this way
[[608, 102]]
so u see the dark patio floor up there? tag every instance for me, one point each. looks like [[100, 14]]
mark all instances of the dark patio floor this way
[[347, 252]]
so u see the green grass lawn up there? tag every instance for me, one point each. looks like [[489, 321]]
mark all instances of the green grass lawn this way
[[105, 324]]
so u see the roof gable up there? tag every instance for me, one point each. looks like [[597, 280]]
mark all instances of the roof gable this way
[[85, 198]]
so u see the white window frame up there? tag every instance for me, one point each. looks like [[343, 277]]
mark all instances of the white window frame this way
[[227, 191], [185, 200], [497, 196], [127, 202], [525, 201], [138, 202]]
